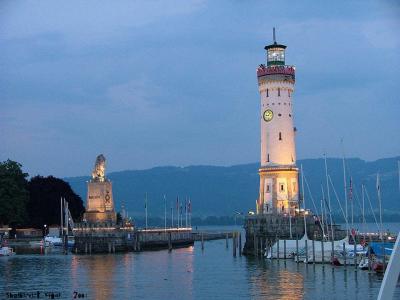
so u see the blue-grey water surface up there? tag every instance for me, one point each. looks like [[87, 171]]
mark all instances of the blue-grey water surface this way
[[187, 273]]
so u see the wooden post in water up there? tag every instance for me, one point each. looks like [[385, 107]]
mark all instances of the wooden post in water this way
[[109, 247], [255, 245], [306, 248], [86, 248], [355, 254], [345, 254], [226, 241], [322, 249], [234, 244], [277, 248], [297, 248], [113, 247], [169, 241], [90, 248], [240, 244], [313, 251], [284, 248], [332, 250], [202, 241]]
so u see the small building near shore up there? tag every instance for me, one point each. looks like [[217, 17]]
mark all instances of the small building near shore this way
[[54, 230], [29, 233], [5, 231]]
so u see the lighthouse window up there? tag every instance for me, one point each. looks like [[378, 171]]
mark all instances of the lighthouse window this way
[[279, 114], [282, 187], [268, 190], [279, 92], [268, 157], [267, 93], [280, 136], [290, 115]]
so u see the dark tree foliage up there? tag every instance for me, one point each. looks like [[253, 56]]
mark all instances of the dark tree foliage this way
[[13, 194], [44, 203]]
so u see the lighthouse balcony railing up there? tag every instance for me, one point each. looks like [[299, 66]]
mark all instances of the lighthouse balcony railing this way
[[263, 70]]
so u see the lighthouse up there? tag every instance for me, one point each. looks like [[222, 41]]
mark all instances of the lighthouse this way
[[279, 192]]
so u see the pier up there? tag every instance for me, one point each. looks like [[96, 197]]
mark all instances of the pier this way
[[105, 238], [263, 231]]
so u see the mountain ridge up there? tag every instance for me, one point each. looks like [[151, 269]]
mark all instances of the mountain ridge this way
[[224, 190]]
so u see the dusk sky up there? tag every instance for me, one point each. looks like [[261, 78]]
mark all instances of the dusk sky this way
[[157, 83]]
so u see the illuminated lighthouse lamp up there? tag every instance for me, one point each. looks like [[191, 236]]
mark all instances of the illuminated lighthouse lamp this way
[[275, 53]]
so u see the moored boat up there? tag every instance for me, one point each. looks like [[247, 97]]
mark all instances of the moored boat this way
[[6, 251]]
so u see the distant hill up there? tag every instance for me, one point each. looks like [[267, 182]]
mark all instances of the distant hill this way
[[221, 191]]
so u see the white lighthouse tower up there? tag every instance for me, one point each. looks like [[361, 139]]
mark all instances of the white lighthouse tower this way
[[278, 171]]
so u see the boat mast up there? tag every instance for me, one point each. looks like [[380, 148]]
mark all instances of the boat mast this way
[[61, 217], [345, 191], [323, 211], [329, 198], [304, 201], [378, 189], [363, 209]]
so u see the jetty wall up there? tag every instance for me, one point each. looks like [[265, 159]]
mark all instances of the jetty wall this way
[[263, 230]]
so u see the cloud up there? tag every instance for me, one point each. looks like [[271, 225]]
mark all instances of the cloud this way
[[84, 21]]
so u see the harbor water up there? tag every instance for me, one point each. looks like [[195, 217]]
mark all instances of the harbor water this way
[[187, 273]]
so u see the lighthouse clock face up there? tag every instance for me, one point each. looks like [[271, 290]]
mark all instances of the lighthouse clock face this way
[[268, 115]]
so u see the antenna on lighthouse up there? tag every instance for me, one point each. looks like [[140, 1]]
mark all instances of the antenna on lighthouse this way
[[273, 34]]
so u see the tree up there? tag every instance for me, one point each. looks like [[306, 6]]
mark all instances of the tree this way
[[13, 194], [44, 203]]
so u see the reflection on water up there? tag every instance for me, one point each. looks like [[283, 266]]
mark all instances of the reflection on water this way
[[188, 273], [275, 281]]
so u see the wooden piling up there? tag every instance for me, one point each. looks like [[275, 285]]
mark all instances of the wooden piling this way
[[226, 241], [240, 244], [86, 248], [90, 248], [297, 248], [234, 244], [284, 249], [255, 244], [323, 253], [345, 254], [332, 250], [169, 241], [202, 241], [306, 248], [313, 251], [277, 248], [109, 247]]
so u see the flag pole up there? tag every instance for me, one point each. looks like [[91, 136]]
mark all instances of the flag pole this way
[[165, 213], [172, 216], [186, 213], [145, 207], [177, 210]]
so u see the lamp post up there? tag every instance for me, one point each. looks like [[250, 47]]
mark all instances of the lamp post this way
[[45, 229]]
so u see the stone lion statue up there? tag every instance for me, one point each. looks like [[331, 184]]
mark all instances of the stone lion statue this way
[[99, 170]]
